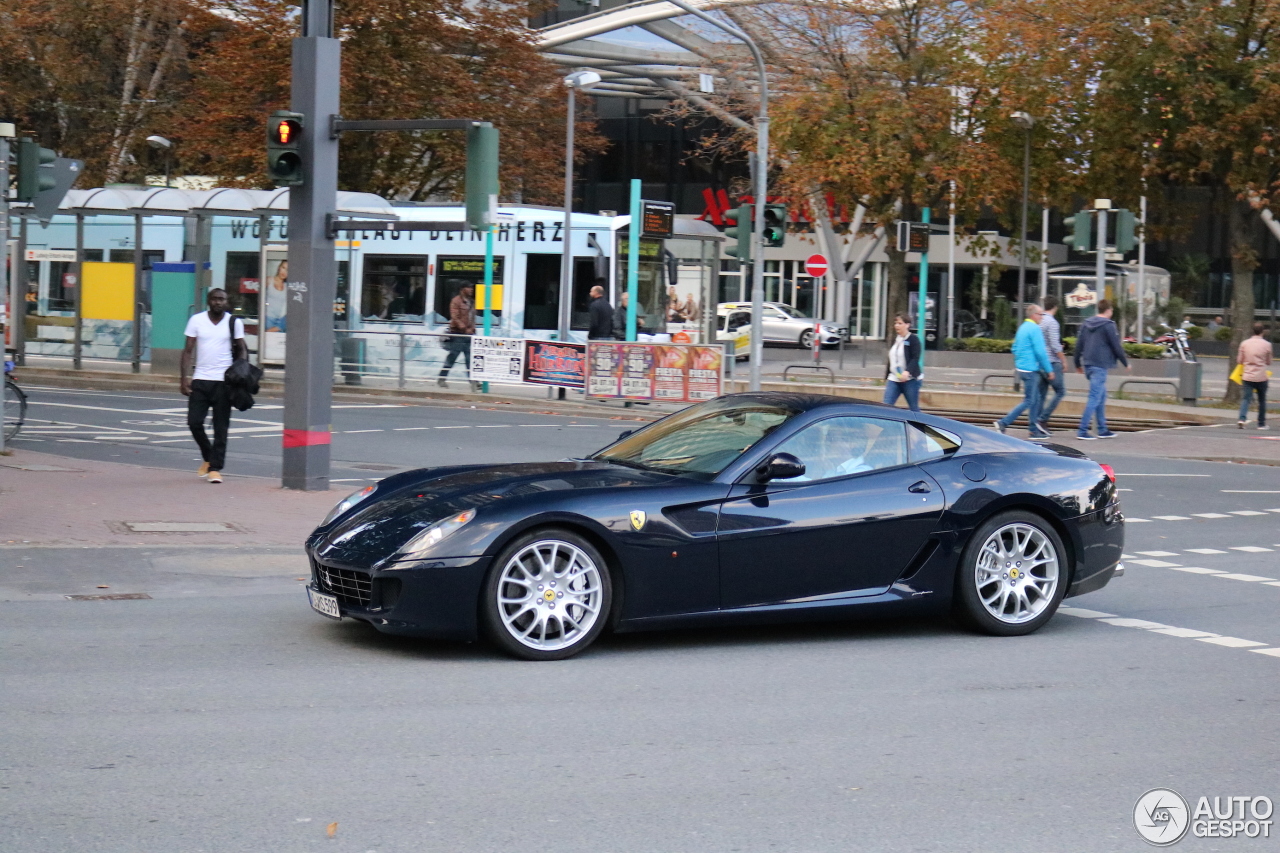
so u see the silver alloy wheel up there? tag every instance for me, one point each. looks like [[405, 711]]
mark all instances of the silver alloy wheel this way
[[1016, 573], [549, 595], [806, 339]]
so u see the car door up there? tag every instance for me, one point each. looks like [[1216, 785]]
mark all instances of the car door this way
[[849, 526], [777, 325]]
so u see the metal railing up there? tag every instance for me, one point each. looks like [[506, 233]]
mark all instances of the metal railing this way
[[407, 356], [1169, 382]]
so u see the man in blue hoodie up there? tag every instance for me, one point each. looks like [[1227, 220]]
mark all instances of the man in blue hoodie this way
[[1097, 350], [1031, 361]]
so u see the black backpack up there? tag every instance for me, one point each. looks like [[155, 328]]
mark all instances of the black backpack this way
[[242, 377]]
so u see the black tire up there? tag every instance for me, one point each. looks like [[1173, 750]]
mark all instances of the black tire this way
[[990, 605], [15, 409], [504, 617]]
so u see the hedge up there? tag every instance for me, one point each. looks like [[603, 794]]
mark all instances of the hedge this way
[[1068, 344]]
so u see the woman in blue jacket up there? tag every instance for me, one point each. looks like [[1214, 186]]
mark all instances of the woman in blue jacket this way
[[904, 376]]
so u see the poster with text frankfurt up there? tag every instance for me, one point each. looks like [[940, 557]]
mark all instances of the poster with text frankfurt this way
[[497, 360], [552, 363]]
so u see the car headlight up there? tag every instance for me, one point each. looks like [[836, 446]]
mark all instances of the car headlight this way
[[434, 534], [347, 503]]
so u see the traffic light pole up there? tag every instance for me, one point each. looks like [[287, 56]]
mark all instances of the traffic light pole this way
[[313, 269], [1101, 268], [761, 191]]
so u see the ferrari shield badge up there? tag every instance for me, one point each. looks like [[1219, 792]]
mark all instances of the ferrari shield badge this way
[[638, 518]]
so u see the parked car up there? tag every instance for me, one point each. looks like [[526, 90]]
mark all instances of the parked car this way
[[734, 324], [786, 325]]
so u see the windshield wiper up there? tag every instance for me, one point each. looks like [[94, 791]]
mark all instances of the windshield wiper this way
[[625, 463]]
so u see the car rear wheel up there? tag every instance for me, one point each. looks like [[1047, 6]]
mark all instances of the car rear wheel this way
[[1013, 575], [547, 596], [806, 339]]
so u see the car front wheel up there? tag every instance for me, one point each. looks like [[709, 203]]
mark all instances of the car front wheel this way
[[547, 596], [806, 339], [1013, 575]]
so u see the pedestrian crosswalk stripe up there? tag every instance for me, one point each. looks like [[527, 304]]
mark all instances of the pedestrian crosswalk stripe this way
[[1196, 570], [1251, 549], [1210, 515], [1155, 564], [1158, 553], [1231, 642], [1173, 517], [1204, 551], [1236, 576]]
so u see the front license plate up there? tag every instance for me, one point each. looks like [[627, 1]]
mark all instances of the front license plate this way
[[326, 605]]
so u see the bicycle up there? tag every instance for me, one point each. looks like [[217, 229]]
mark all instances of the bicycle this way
[[15, 404]]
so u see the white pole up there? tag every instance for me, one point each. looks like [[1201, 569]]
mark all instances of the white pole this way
[[951, 269], [565, 319], [1142, 266], [1044, 253]]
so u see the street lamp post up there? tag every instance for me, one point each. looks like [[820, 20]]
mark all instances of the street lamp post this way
[[1026, 122], [573, 82], [761, 192], [165, 145]]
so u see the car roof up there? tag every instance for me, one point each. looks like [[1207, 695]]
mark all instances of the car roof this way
[[743, 306]]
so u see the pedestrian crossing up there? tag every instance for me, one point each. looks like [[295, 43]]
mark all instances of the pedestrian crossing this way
[[1240, 513], [1158, 559]]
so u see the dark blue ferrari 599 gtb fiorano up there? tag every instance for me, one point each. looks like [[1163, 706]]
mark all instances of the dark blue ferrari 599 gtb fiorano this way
[[746, 508]]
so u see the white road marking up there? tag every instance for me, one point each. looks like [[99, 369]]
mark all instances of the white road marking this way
[[460, 426], [1084, 613], [354, 431], [1204, 551], [1158, 553], [1189, 633], [1118, 474], [1209, 515], [74, 441], [1272, 652], [508, 426], [1231, 642], [1276, 509], [409, 429], [1251, 491], [1196, 570], [1251, 549], [1236, 576], [177, 440], [1173, 517], [1155, 564], [1246, 512], [120, 437], [1125, 622], [1137, 520]]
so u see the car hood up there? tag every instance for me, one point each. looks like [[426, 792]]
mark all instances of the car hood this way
[[375, 532]]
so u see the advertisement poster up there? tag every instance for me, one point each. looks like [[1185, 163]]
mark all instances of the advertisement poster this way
[[275, 302], [705, 368], [669, 373], [671, 365], [637, 371], [551, 363], [684, 310], [604, 373], [497, 360]]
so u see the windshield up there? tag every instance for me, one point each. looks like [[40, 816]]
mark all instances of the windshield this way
[[701, 441]]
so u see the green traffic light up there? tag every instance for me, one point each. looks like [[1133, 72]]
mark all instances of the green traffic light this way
[[738, 234], [775, 225]]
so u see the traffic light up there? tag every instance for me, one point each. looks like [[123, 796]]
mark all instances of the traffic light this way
[[1081, 226], [284, 149], [35, 169], [739, 233], [1126, 224], [482, 174], [775, 225]]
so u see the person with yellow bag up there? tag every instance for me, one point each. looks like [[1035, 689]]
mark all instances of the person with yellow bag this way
[[1251, 371]]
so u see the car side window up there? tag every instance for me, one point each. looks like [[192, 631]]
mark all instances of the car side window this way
[[930, 443], [838, 447], [737, 321]]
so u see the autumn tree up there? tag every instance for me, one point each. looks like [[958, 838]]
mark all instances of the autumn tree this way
[[411, 59], [91, 78]]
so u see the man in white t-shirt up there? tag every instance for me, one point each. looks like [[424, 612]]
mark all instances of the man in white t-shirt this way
[[209, 343]]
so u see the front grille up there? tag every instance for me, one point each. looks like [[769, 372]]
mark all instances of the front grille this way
[[350, 586]]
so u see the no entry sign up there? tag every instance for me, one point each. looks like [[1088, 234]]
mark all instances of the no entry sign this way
[[816, 266]]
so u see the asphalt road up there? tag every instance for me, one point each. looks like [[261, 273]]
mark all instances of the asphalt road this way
[[222, 714], [371, 438]]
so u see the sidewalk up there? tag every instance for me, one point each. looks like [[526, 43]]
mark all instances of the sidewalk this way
[[52, 500]]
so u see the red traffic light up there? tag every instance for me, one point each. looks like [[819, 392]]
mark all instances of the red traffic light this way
[[286, 132]]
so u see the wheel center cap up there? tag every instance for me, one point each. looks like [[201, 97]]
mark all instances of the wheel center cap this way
[[549, 595], [1014, 574]]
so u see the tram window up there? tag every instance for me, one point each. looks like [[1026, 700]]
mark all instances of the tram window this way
[[394, 289], [453, 274]]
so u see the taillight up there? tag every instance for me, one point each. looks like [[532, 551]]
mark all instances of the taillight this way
[[1109, 471]]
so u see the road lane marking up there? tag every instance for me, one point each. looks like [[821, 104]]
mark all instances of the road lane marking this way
[[354, 431], [1251, 549], [1155, 564], [1246, 512], [1196, 570], [1118, 474], [1137, 520], [1204, 551], [1251, 492], [1158, 553], [1236, 576], [1209, 515], [1170, 630], [408, 429], [460, 426], [1173, 517], [120, 437], [1231, 642]]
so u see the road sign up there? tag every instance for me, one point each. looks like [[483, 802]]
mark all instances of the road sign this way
[[816, 266], [913, 236]]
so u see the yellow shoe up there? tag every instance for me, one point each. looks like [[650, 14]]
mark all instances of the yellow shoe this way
[[203, 470], [215, 477]]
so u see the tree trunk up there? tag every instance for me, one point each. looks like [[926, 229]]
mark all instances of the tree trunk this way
[[1243, 225]]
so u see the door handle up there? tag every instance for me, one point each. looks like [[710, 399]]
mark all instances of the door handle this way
[[920, 487]]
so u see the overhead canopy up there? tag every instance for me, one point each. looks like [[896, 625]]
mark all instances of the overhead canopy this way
[[166, 201], [669, 69]]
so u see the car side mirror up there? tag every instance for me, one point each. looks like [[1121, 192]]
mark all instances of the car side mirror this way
[[625, 433], [780, 466]]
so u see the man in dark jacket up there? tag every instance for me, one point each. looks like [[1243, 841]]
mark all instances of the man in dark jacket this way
[[601, 326], [1098, 349]]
